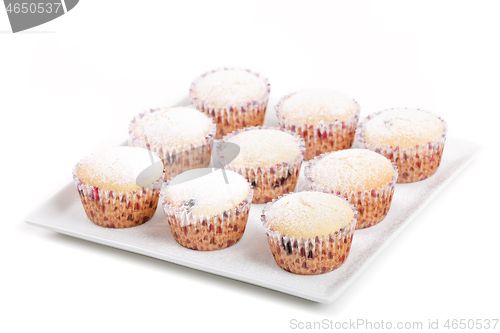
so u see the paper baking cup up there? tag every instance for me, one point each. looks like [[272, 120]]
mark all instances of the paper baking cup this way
[[321, 138], [269, 182], [204, 232], [178, 159], [234, 117], [372, 205], [116, 209], [313, 255], [415, 163]]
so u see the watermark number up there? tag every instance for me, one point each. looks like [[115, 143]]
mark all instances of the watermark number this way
[[42, 7]]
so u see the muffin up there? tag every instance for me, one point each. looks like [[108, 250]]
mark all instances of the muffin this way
[[269, 159], [235, 98], [411, 138], [309, 232], [181, 136], [326, 119], [361, 176], [207, 213], [119, 187]]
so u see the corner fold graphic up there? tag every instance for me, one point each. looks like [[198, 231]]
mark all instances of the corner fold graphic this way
[[70, 4]]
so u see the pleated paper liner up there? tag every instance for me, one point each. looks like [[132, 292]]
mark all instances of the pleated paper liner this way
[[178, 159], [415, 163], [234, 117], [207, 232], [372, 205], [312, 255], [321, 138], [116, 209], [269, 182]]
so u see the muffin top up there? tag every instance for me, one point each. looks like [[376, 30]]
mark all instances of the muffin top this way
[[264, 147], [230, 87], [173, 127], [209, 194], [403, 128], [309, 214], [352, 170], [318, 106], [117, 169]]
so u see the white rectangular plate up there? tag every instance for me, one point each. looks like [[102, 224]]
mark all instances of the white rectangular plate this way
[[250, 260]]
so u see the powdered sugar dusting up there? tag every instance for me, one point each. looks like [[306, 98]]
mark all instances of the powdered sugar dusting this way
[[173, 127], [230, 87], [309, 214], [352, 170], [116, 169], [265, 147], [403, 128], [317, 106], [208, 195]]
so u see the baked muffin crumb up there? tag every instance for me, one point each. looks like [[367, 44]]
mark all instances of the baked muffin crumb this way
[[403, 128], [309, 214]]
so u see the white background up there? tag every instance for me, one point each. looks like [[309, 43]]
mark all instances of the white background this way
[[71, 86]]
